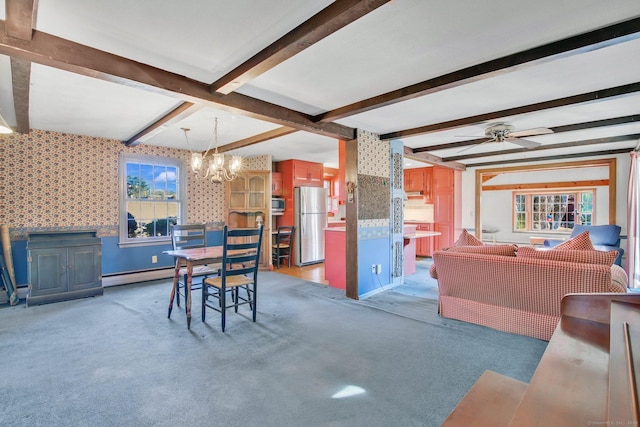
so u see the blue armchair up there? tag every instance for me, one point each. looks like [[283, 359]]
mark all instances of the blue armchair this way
[[603, 237]]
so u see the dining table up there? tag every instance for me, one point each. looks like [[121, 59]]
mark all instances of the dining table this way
[[190, 258]]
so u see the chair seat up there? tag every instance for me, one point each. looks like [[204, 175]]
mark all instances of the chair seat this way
[[280, 245], [232, 281]]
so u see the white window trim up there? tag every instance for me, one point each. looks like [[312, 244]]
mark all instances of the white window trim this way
[[123, 236], [529, 208]]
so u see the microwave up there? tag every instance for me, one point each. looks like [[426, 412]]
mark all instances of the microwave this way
[[277, 206]]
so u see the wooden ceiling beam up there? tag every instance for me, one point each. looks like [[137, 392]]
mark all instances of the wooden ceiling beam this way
[[582, 43], [548, 158], [326, 22], [56, 52], [179, 113], [581, 143], [21, 18], [599, 95], [556, 129], [430, 158], [21, 84], [256, 139]]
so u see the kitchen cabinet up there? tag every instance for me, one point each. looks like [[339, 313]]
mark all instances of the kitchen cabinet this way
[[63, 266], [447, 199], [414, 180], [247, 205], [296, 173], [307, 174], [335, 257], [276, 184], [420, 180], [424, 246], [248, 191], [428, 186]]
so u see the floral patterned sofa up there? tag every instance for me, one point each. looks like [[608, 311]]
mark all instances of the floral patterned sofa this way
[[519, 290]]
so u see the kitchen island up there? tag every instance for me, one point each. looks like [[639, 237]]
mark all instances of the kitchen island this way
[[335, 258], [411, 234]]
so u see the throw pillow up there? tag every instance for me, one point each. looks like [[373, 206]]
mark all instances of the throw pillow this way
[[466, 239], [504, 250], [581, 256], [581, 242]]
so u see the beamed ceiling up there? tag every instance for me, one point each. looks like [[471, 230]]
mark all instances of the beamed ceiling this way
[[292, 78]]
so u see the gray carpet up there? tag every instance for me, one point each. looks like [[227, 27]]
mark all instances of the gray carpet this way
[[116, 360], [420, 283]]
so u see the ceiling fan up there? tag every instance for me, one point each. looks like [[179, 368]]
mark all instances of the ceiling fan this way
[[502, 132]]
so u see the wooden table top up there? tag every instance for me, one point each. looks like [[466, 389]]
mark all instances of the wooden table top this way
[[196, 254]]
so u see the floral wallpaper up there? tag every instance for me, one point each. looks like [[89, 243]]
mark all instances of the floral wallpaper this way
[[56, 181], [373, 159], [373, 155]]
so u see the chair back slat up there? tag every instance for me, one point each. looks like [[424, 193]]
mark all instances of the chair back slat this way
[[188, 236], [285, 234], [283, 246], [245, 239]]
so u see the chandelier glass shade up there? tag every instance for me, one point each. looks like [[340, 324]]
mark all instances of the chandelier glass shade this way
[[218, 168]]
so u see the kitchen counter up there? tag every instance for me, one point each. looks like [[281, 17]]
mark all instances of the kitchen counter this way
[[420, 234]]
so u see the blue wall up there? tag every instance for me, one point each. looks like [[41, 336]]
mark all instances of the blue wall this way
[[373, 251], [115, 260]]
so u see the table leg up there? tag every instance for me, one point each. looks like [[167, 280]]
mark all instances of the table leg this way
[[188, 292], [175, 287]]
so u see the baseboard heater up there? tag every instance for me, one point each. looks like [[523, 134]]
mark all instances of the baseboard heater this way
[[137, 276]]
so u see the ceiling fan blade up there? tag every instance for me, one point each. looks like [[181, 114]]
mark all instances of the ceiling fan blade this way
[[525, 143], [474, 145], [530, 132]]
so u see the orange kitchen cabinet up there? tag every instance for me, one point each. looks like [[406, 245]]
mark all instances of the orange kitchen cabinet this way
[[276, 184]]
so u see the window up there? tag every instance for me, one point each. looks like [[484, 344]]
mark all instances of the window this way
[[327, 185], [552, 212], [152, 198]]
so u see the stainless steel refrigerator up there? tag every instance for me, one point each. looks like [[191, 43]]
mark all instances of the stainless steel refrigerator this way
[[310, 210]]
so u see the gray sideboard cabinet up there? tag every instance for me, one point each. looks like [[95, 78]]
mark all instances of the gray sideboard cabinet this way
[[63, 266]]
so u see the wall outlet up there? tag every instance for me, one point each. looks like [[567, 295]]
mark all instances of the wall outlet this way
[[154, 259], [373, 268], [379, 269]]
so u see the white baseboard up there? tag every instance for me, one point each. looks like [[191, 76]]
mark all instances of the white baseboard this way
[[141, 276]]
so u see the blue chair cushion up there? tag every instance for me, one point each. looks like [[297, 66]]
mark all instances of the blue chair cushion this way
[[606, 235], [603, 238]]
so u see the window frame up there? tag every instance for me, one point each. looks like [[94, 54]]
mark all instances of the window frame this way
[[181, 197], [528, 211]]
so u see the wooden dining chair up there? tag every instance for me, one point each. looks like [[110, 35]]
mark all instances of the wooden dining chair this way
[[240, 261], [283, 245], [191, 236]]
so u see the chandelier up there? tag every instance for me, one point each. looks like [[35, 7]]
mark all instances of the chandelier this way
[[221, 168]]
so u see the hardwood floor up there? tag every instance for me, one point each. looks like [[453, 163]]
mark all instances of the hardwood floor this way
[[312, 273]]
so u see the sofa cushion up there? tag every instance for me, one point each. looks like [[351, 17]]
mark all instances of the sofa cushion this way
[[581, 242], [581, 256], [505, 250], [466, 239]]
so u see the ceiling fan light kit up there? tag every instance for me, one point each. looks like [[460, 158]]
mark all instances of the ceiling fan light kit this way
[[502, 132]]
